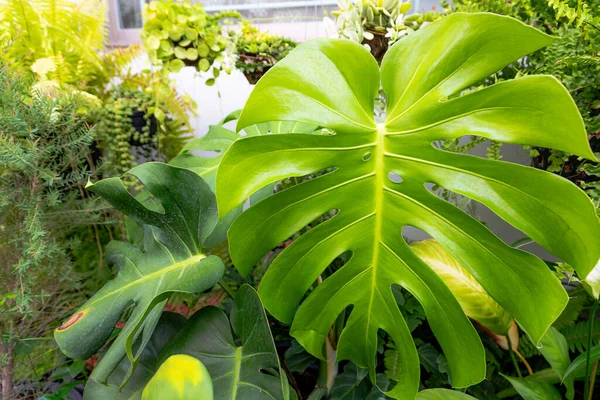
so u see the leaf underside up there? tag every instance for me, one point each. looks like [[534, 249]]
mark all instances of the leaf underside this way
[[333, 83]]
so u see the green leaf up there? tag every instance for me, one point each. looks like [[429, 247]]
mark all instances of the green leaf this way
[[204, 64], [180, 53], [534, 390], [172, 260], [442, 394], [297, 359], [555, 350], [350, 384], [192, 54], [577, 367], [237, 371], [473, 299], [333, 83], [176, 65]]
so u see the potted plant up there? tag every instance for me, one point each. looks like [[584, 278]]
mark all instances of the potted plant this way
[[258, 51], [178, 34], [376, 24]]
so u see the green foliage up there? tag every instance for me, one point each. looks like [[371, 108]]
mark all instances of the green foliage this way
[[365, 160], [238, 352], [43, 144], [178, 33], [57, 40], [577, 335], [177, 224], [258, 51]]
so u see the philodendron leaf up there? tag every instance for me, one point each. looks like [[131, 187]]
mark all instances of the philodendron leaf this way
[[333, 83], [534, 390], [473, 299], [238, 372], [172, 260], [442, 394]]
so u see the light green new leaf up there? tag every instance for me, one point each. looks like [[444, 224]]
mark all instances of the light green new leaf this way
[[577, 367], [473, 299], [238, 372], [172, 260], [534, 390], [333, 83]]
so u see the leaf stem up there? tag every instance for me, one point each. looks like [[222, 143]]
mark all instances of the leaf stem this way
[[512, 356], [227, 289], [587, 390], [593, 380]]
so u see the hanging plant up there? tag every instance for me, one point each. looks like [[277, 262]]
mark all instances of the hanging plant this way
[[376, 24], [123, 122], [178, 34], [258, 51]]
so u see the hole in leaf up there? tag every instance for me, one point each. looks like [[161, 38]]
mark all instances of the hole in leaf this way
[[367, 156], [206, 153], [394, 177]]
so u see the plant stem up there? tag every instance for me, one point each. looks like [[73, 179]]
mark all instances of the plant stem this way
[[512, 356], [593, 380], [227, 289], [589, 348]]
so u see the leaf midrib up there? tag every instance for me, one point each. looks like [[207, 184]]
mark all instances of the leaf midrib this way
[[160, 273]]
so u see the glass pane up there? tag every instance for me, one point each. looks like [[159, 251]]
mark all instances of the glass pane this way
[[275, 10], [130, 13]]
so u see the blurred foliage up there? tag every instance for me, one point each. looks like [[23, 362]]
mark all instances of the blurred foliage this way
[[179, 33], [57, 40], [257, 51], [376, 24]]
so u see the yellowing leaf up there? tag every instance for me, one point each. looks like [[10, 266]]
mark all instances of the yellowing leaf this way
[[181, 377], [473, 299]]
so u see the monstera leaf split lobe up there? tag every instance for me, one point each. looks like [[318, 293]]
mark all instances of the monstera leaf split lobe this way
[[333, 83], [172, 260]]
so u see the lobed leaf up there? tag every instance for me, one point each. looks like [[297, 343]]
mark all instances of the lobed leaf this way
[[378, 179]]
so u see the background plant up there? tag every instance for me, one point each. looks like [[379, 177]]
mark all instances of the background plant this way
[[44, 141], [258, 51], [177, 34], [376, 24], [55, 40]]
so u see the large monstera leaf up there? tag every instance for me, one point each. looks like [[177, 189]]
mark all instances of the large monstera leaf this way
[[172, 259], [332, 83]]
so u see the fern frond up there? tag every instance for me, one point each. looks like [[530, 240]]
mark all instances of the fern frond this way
[[577, 335]]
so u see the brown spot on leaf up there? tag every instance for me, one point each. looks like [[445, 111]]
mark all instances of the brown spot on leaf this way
[[71, 321]]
